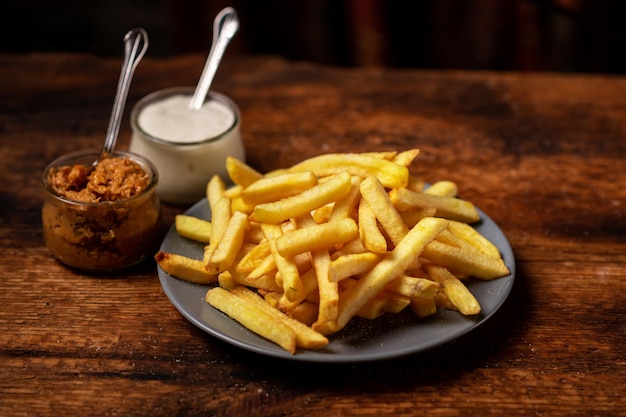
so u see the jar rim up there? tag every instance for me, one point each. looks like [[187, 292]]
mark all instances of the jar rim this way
[[185, 90], [87, 155]]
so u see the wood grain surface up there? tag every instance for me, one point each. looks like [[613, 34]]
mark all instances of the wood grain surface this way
[[542, 154]]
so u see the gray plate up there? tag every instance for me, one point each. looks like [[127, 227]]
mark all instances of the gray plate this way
[[390, 336]]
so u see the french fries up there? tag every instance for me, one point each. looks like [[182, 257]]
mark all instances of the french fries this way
[[388, 217], [191, 270], [317, 236], [295, 254], [453, 288], [395, 262], [252, 317], [392, 175], [371, 236], [241, 173], [277, 187], [313, 198], [193, 228], [448, 207], [229, 244]]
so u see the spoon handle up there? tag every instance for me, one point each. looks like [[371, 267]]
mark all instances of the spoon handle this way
[[225, 26], [135, 45]]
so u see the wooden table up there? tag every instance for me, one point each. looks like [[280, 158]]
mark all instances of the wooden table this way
[[542, 154]]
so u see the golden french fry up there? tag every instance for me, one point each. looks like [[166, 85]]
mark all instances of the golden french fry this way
[[255, 234], [227, 280], [371, 236], [306, 337], [455, 290], [291, 282], [413, 287], [468, 234], [253, 318], [233, 192], [288, 226], [254, 257], [449, 239], [415, 184], [465, 261], [328, 294], [229, 245], [317, 236], [184, 268], [389, 155], [291, 207], [447, 207], [423, 307], [411, 217], [278, 187], [238, 204], [392, 265], [395, 302], [389, 173], [239, 278], [193, 228], [263, 282], [309, 291], [241, 173], [221, 216], [265, 267], [305, 312], [406, 158], [374, 193], [322, 214], [347, 206], [356, 246], [328, 291], [372, 309], [275, 172], [246, 248], [383, 302], [350, 265], [272, 297], [302, 261], [215, 190], [442, 300], [443, 189]]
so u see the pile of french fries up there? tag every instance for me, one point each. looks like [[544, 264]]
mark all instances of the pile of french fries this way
[[298, 252]]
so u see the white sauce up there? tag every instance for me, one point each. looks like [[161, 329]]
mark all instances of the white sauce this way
[[172, 120]]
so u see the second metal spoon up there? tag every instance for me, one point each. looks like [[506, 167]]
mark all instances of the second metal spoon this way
[[135, 45], [225, 26]]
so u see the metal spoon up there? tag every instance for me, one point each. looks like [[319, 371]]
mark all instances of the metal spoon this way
[[225, 26], [135, 45]]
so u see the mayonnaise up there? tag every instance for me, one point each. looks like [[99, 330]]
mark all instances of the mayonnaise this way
[[172, 120], [187, 146]]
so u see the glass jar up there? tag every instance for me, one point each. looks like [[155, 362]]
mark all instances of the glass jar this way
[[101, 236], [187, 146]]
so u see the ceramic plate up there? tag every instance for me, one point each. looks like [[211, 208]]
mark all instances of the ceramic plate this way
[[390, 336]]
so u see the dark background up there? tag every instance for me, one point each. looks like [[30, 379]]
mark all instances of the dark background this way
[[524, 35]]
